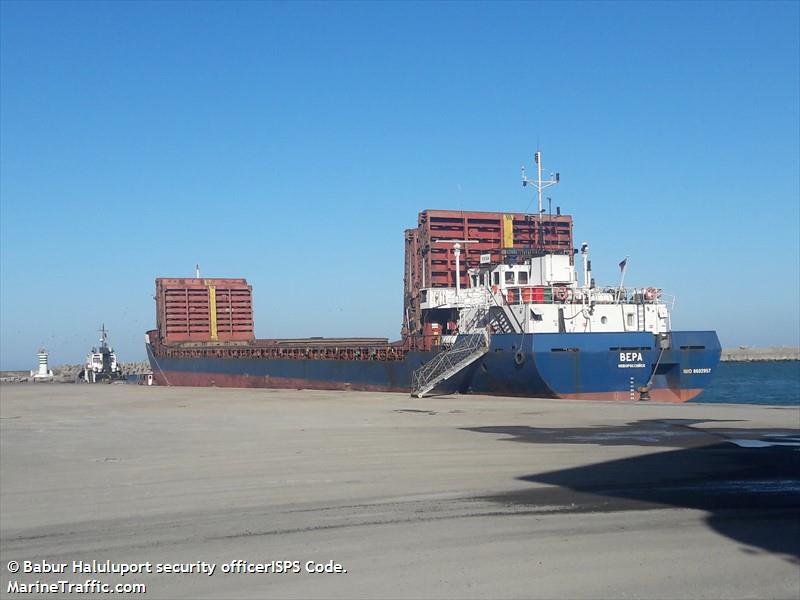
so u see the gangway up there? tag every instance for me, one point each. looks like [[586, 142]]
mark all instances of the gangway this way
[[466, 350]]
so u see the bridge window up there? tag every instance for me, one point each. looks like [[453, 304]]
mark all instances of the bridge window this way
[[523, 277], [509, 276], [629, 317], [496, 278]]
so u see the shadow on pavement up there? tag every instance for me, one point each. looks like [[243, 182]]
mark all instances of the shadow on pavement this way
[[748, 480]]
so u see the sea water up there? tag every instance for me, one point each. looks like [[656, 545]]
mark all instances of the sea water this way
[[775, 382]]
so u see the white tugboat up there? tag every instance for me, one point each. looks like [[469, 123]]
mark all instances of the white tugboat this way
[[101, 363]]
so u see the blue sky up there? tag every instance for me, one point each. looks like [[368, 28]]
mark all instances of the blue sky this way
[[292, 144]]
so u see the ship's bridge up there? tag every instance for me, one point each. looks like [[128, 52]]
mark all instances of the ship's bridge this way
[[547, 270]]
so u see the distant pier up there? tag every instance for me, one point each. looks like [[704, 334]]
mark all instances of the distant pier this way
[[770, 353]]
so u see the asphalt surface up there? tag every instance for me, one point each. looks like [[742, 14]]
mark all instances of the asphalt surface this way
[[450, 497]]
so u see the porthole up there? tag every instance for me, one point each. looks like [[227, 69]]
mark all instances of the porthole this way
[[604, 320]]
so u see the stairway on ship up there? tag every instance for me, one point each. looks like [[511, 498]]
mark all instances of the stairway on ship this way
[[466, 350]]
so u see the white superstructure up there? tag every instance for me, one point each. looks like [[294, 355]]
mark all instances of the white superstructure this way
[[543, 295]]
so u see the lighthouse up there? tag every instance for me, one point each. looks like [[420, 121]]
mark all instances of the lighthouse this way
[[44, 373]]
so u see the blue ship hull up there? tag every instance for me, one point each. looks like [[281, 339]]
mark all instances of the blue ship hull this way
[[595, 366]]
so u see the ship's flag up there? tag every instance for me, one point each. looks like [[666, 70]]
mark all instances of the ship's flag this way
[[623, 263]]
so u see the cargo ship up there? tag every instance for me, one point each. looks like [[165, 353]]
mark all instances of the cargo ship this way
[[493, 304]]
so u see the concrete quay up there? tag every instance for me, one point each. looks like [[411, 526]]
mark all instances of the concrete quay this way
[[443, 497]]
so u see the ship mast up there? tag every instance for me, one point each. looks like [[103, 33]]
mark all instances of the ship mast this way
[[538, 183], [457, 254]]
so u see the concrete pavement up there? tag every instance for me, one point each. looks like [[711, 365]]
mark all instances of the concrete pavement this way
[[460, 496]]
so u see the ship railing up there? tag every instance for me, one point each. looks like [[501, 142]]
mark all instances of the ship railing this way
[[638, 296], [468, 348], [669, 299], [538, 294], [476, 315], [519, 295], [441, 297], [388, 352]]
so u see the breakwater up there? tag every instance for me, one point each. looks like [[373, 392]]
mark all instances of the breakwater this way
[[768, 353], [69, 373]]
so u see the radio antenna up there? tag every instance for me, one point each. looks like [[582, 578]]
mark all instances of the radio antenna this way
[[538, 183]]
